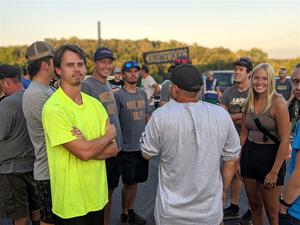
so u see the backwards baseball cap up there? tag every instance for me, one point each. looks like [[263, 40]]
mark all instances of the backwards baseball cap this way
[[244, 61], [187, 77], [38, 50], [8, 71], [103, 53], [130, 64], [117, 70]]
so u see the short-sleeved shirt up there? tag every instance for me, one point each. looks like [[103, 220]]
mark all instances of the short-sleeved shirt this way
[[190, 148], [147, 85], [284, 88], [104, 93], [294, 210], [116, 84], [16, 150], [34, 99], [234, 101], [77, 187], [132, 109]]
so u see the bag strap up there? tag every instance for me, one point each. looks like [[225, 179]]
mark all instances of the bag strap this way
[[264, 130]]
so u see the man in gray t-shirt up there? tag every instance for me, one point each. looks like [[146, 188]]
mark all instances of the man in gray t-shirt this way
[[19, 197], [133, 112], [191, 137], [283, 85], [41, 70], [98, 87], [233, 100]]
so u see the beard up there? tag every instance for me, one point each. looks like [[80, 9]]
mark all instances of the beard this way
[[131, 82]]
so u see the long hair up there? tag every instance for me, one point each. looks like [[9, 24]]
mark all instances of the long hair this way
[[271, 91]]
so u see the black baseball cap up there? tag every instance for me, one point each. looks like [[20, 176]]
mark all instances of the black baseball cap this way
[[244, 61], [103, 53], [8, 71], [187, 77]]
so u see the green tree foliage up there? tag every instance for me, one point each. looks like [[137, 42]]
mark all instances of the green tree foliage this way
[[204, 58]]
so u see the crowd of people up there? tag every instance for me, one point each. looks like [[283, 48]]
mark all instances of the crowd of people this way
[[64, 147]]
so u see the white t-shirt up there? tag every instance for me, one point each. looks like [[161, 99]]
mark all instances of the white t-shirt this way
[[191, 139], [147, 85]]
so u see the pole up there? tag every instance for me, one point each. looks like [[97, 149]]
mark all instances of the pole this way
[[99, 34]]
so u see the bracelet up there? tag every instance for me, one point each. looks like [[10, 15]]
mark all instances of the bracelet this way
[[282, 202]]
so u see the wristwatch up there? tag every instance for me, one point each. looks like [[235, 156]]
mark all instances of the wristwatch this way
[[282, 202]]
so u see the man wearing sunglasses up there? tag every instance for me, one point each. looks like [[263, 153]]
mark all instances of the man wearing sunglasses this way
[[98, 87], [134, 112]]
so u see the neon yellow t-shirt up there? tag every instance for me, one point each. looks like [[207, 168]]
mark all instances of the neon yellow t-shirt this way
[[77, 186]]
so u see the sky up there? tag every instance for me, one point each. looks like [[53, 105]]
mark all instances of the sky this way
[[271, 25]]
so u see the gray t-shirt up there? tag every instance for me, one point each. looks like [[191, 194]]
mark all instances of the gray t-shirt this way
[[234, 101], [284, 88], [16, 150], [164, 92], [190, 139], [34, 99], [104, 93], [132, 109]]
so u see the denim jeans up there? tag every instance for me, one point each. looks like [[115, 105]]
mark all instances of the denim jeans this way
[[286, 219]]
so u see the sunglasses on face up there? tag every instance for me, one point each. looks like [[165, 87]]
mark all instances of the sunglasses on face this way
[[131, 64]]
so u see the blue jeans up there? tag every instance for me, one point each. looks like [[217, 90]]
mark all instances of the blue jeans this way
[[286, 219]]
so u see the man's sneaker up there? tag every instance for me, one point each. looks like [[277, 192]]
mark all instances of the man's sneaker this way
[[231, 212], [246, 219], [124, 219], [134, 218]]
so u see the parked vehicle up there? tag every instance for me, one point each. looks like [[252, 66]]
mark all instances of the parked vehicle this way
[[225, 78]]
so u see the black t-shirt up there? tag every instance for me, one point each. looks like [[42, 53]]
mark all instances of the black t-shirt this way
[[116, 84]]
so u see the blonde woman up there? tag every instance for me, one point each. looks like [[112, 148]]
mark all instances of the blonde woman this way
[[262, 157]]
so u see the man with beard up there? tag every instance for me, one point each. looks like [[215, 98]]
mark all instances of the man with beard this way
[[233, 100], [98, 87], [134, 112], [76, 162], [283, 85], [40, 66]]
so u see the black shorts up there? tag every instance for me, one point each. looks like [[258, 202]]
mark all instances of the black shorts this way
[[134, 168], [113, 170], [257, 161], [92, 218], [46, 203], [18, 195]]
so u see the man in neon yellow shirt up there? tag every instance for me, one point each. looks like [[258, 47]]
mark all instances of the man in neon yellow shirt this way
[[76, 159]]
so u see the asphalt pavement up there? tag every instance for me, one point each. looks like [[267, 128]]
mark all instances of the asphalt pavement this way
[[146, 197]]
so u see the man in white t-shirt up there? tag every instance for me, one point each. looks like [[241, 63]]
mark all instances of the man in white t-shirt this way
[[149, 85], [191, 137]]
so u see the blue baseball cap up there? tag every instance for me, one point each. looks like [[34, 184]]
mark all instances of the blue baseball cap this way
[[102, 53]]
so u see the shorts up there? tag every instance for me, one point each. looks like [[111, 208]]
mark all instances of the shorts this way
[[18, 195], [134, 167], [257, 161], [46, 203], [92, 218], [113, 170]]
